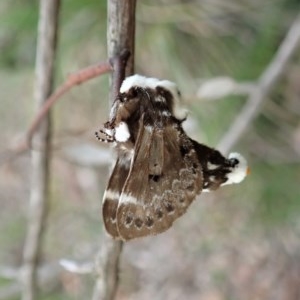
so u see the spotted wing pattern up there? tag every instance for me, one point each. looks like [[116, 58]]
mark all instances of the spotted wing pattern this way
[[151, 202], [159, 169]]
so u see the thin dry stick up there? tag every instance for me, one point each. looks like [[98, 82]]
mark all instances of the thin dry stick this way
[[120, 35], [72, 80], [265, 84], [46, 48]]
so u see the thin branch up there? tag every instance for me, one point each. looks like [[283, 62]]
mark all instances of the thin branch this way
[[76, 267], [46, 48], [265, 84], [120, 35], [218, 88], [72, 80]]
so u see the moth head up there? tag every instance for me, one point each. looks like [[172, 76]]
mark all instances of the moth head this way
[[132, 81], [153, 83], [239, 170]]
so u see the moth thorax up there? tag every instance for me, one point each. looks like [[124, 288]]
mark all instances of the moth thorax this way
[[132, 81]]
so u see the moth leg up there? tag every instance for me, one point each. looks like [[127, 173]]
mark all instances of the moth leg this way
[[107, 137], [110, 124]]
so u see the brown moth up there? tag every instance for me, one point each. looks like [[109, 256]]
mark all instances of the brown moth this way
[[159, 170]]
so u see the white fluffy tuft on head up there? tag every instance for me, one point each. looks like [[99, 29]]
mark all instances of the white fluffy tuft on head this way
[[140, 81], [149, 82], [240, 171], [131, 81], [122, 132]]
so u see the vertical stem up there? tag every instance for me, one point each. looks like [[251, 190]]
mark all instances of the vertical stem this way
[[46, 46], [120, 36]]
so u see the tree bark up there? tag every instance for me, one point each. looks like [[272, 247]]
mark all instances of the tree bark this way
[[120, 36]]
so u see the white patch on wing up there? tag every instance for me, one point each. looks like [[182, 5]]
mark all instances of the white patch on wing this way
[[128, 199], [149, 128], [122, 132], [212, 178], [211, 166], [112, 195], [166, 113], [239, 172]]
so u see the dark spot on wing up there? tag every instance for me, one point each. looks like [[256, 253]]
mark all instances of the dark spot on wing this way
[[149, 222], [181, 199], [159, 213], [138, 223], [155, 178], [128, 220], [169, 207], [194, 168], [184, 150]]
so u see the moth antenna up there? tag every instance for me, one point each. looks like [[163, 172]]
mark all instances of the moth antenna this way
[[108, 138]]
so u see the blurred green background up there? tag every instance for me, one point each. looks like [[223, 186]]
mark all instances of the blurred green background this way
[[241, 242]]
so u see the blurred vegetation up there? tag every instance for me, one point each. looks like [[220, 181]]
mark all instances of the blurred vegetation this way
[[184, 41]]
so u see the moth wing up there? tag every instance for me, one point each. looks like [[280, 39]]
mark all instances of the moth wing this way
[[151, 202], [156, 154], [113, 193]]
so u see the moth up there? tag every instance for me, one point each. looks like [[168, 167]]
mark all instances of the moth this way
[[159, 169]]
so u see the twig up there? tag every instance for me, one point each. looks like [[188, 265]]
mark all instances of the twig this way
[[72, 80], [46, 48], [264, 86], [220, 87], [120, 35], [78, 268]]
